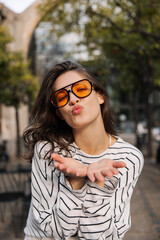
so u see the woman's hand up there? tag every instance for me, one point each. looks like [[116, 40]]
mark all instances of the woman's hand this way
[[96, 172], [104, 168], [69, 166]]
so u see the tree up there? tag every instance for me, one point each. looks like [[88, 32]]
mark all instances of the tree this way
[[5, 39], [123, 32], [18, 85]]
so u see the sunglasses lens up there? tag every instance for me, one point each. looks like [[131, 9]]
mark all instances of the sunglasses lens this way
[[82, 89], [60, 98]]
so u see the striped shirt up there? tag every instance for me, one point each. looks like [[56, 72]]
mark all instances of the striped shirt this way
[[91, 212]]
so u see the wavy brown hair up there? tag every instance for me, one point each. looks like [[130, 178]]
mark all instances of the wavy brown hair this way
[[46, 125]]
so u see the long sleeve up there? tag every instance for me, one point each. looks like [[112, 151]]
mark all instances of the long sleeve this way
[[69, 207], [56, 207], [127, 180], [45, 185], [107, 210], [97, 216]]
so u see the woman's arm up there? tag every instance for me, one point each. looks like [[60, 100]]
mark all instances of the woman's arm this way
[[109, 205], [75, 171], [69, 166], [95, 171], [56, 206]]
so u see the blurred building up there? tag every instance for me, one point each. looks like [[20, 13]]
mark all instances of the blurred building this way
[[21, 27], [49, 50]]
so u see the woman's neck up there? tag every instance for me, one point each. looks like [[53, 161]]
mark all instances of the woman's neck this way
[[92, 139]]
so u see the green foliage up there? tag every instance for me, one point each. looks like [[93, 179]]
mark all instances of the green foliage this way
[[4, 53], [18, 85], [21, 86], [124, 32], [5, 38]]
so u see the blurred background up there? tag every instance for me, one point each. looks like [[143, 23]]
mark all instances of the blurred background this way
[[119, 41]]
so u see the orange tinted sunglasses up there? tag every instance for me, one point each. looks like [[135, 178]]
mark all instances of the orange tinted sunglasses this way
[[80, 89]]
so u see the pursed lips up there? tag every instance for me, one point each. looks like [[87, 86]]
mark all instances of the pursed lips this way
[[77, 109]]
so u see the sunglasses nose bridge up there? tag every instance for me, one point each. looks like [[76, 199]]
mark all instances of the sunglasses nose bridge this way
[[72, 98]]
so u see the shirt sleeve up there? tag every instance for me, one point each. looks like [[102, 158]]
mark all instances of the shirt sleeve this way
[[97, 217], [56, 206], [107, 210], [127, 180]]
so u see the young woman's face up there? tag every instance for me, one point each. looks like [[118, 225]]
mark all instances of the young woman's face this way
[[78, 112]]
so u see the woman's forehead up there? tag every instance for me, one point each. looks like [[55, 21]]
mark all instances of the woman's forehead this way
[[67, 78]]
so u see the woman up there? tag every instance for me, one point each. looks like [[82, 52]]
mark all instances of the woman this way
[[83, 175]]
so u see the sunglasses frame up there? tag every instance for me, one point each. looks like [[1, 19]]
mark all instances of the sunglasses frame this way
[[71, 90]]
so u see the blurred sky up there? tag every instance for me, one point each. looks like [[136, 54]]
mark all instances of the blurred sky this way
[[17, 6]]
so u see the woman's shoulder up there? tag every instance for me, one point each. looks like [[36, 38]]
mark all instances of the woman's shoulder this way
[[128, 147], [44, 149], [133, 157]]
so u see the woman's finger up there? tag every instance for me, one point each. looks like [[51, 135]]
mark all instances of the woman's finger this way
[[115, 171], [91, 176], [107, 173], [99, 177], [69, 170], [59, 166], [62, 167], [57, 157], [56, 164], [118, 164]]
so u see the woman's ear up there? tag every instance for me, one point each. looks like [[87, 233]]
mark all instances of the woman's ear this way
[[59, 114], [100, 98]]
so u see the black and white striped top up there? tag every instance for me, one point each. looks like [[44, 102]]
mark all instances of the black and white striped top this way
[[92, 212]]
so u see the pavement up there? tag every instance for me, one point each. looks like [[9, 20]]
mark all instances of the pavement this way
[[145, 205], [145, 209]]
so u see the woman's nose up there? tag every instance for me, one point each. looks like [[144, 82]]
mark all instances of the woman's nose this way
[[73, 99]]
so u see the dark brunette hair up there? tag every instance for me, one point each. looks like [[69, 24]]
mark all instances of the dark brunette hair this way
[[46, 125]]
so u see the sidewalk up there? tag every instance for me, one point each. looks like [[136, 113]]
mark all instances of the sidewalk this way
[[145, 205]]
